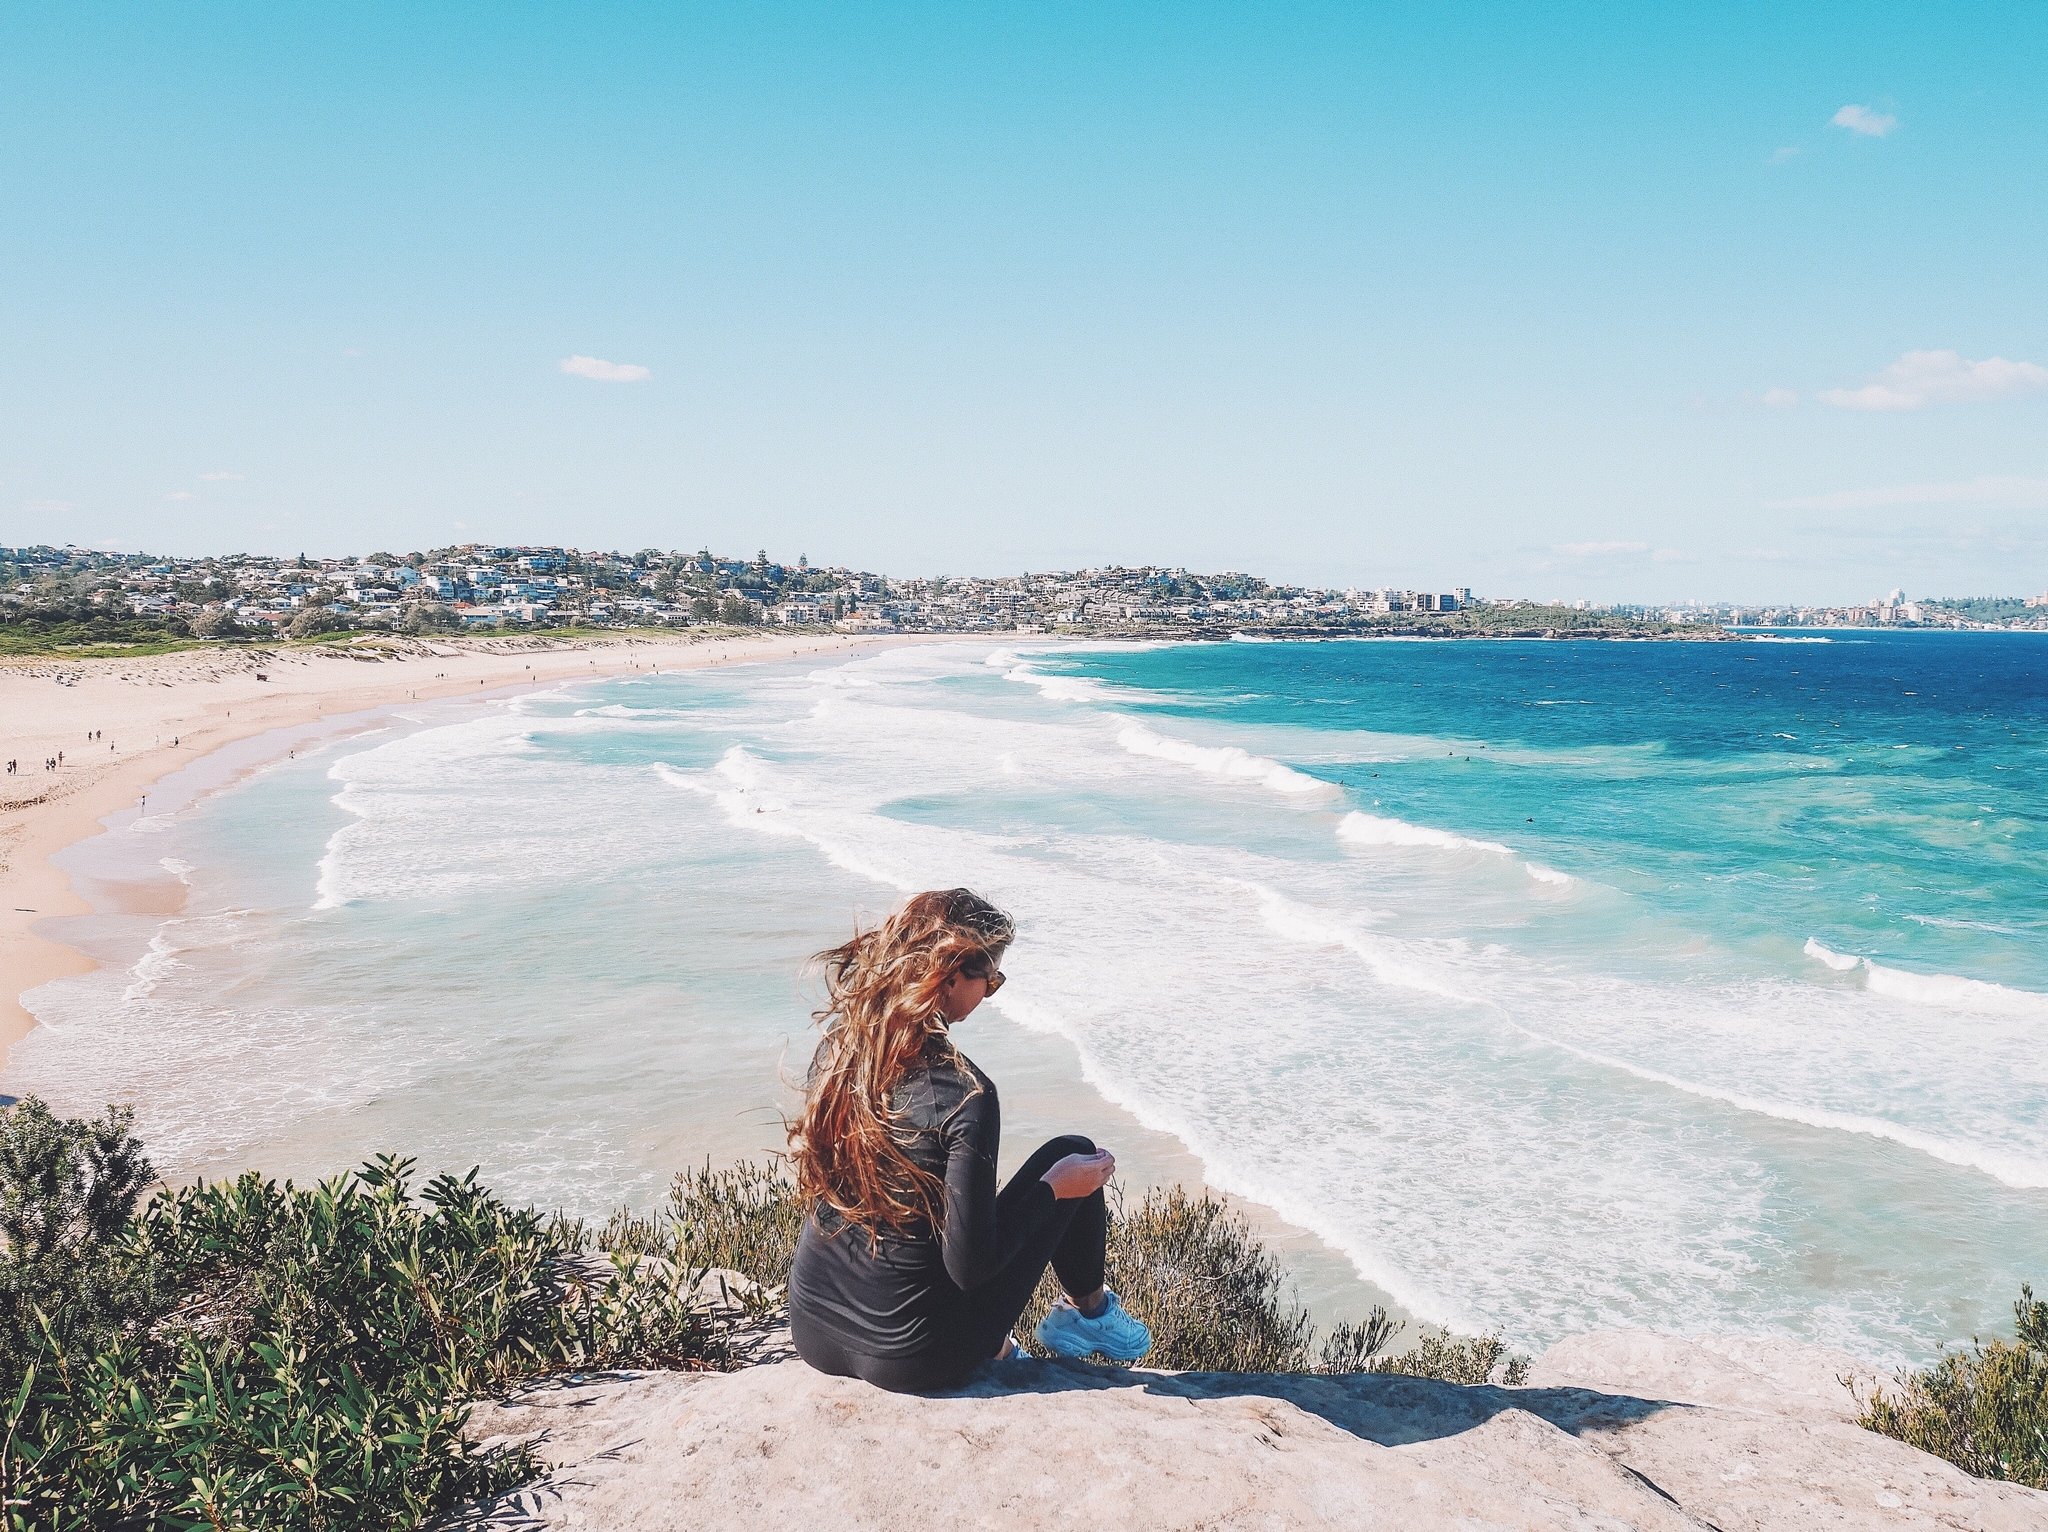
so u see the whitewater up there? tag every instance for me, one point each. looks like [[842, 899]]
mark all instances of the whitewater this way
[[1699, 987]]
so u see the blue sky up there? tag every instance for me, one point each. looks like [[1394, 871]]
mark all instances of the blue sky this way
[[1608, 301]]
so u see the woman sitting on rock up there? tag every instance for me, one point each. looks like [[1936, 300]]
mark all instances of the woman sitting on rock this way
[[912, 1267]]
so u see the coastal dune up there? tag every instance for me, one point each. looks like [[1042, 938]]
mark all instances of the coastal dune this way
[[121, 724]]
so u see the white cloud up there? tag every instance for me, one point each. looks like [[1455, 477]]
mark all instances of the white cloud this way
[[603, 371], [1920, 378], [1779, 398], [2009, 491], [1598, 550], [181, 494], [1862, 120], [221, 477]]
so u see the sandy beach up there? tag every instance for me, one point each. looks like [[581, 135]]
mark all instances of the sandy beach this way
[[119, 724]]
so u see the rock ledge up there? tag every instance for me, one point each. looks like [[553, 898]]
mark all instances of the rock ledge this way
[[1617, 1430]]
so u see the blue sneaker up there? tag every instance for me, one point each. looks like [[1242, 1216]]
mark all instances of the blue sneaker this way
[[1115, 1333]]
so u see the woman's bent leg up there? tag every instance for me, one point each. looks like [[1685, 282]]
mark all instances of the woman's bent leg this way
[[1077, 1255], [1073, 1242]]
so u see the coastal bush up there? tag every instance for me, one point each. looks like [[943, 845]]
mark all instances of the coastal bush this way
[[1984, 1409], [249, 1354], [1453, 1358], [83, 627], [68, 1188], [218, 622], [312, 621], [1216, 1298], [745, 1218]]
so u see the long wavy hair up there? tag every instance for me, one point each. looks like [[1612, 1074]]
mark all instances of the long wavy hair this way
[[880, 1016]]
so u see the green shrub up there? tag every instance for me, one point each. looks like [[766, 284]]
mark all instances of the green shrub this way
[[1454, 1358], [1985, 1409], [67, 1190], [1216, 1301], [1189, 1266], [745, 1218], [257, 1355], [1214, 1297]]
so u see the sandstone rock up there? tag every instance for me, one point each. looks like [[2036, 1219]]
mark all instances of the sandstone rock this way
[[1063, 1445], [1737, 1371]]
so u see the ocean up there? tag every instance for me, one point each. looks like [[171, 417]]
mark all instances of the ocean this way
[[1552, 986]]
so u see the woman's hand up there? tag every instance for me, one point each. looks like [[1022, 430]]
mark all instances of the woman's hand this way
[[1080, 1175]]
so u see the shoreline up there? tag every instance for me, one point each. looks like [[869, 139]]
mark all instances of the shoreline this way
[[159, 715], [46, 863]]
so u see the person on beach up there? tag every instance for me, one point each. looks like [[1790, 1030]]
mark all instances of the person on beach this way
[[912, 1267]]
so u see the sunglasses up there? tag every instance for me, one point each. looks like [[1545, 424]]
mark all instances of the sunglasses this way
[[990, 975]]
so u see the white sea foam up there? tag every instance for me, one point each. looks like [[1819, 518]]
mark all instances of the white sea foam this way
[[1428, 969], [744, 786], [622, 710], [1948, 923], [841, 675], [1949, 992], [1058, 688], [1839, 961], [403, 797], [1086, 690], [2016, 1170], [1228, 762], [156, 963], [1362, 829]]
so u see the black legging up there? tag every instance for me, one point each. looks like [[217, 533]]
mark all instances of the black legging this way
[[972, 1324]]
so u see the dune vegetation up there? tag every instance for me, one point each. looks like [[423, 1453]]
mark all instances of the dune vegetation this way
[[1985, 1408]]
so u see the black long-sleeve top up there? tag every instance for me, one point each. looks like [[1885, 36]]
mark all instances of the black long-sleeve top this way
[[888, 1298]]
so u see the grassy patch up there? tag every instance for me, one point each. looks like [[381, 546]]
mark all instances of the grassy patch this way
[[1984, 1409], [58, 644]]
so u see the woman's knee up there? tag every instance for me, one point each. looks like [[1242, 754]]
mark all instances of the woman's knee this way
[[1068, 1143]]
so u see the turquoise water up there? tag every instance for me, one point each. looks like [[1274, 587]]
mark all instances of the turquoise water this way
[[1696, 986]]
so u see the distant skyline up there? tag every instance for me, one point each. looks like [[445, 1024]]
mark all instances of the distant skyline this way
[[1613, 303]]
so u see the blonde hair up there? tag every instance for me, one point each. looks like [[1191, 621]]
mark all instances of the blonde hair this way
[[880, 1016]]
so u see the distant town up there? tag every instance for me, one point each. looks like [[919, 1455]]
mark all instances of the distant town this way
[[79, 595]]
